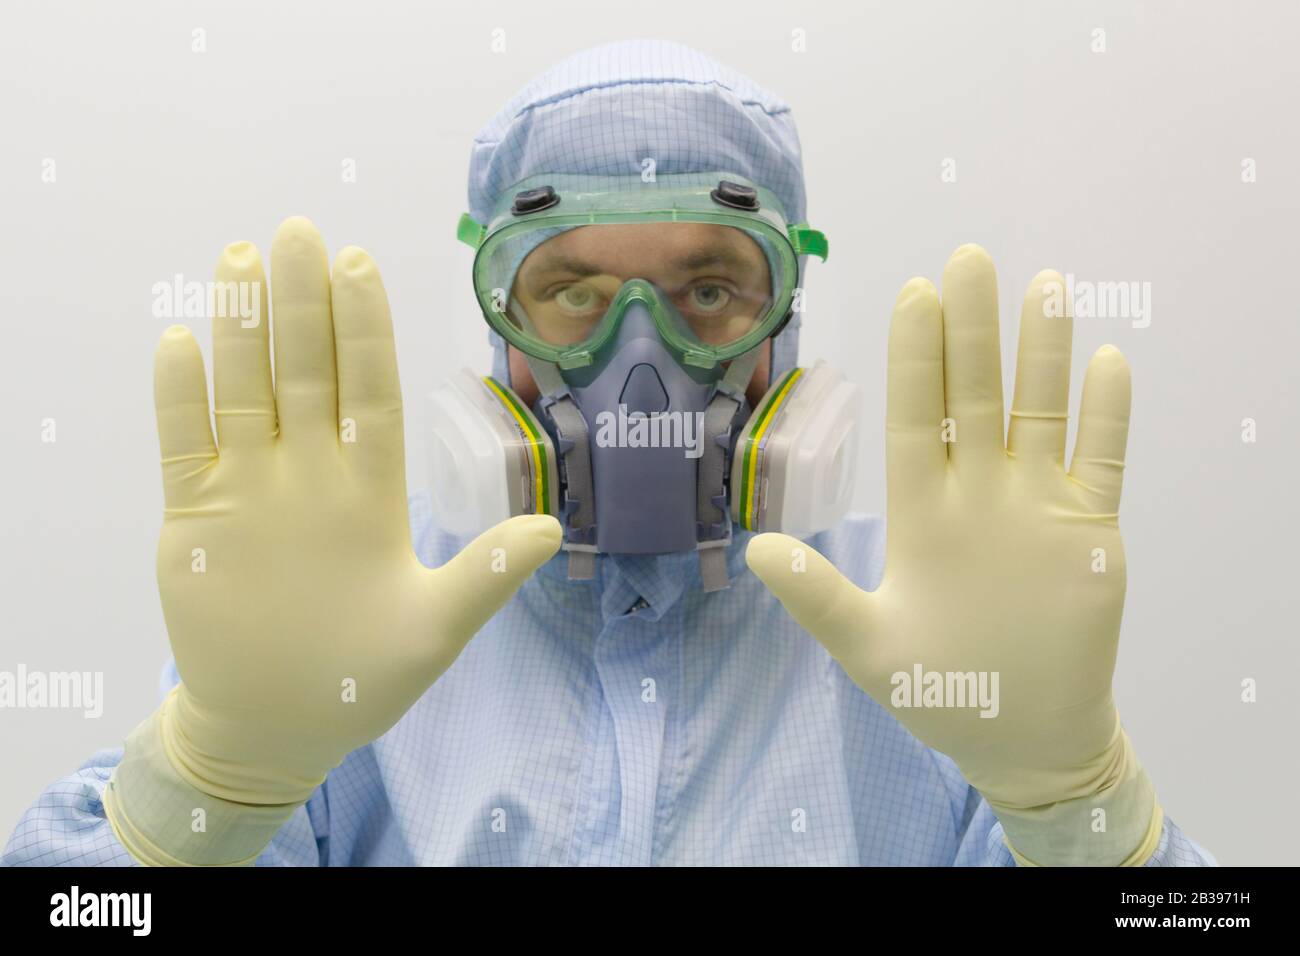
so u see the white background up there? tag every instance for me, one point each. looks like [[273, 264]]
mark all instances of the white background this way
[[1122, 165]]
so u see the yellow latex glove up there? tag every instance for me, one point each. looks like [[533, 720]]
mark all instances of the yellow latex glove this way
[[993, 565], [302, 622]]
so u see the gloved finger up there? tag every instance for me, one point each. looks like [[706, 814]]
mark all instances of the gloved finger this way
[[915, 452], [241, 350], [370, 397], [1098, 464], [180, 397], [822, 601], [472, 586], [1040, 410], [972, 357], [306, 384]]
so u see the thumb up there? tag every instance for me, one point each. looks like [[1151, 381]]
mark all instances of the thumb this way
[[824, 602], [473, 585]]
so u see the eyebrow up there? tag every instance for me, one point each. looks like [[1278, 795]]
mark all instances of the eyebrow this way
[[703, 259], [568, 264], [582, 268]]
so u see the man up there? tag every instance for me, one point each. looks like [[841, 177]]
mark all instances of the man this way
[[670, 688]]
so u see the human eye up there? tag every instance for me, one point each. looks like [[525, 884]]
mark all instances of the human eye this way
[[577, 299], [708, 298]]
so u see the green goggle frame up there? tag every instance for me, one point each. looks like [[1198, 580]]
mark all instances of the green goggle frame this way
[[545, 203]]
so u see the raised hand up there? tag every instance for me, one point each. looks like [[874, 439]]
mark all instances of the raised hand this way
[[302, 622], [1004, 579]]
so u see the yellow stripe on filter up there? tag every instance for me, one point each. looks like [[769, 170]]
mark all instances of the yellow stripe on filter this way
[[540, 500], [767, 415]]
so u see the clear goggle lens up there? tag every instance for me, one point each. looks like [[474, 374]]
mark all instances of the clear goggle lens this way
[[556, 285]]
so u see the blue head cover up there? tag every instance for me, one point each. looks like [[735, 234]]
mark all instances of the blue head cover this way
[[609, 110]]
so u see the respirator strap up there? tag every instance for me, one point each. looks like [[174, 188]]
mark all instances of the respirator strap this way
[[713, 523], [571, 446]]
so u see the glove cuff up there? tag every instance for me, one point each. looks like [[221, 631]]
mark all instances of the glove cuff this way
[[1119, 826], [162, 820]]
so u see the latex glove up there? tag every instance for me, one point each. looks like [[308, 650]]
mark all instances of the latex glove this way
[[993, 564], [302, 622]]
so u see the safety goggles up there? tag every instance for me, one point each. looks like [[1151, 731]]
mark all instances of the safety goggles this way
[[711, 255]]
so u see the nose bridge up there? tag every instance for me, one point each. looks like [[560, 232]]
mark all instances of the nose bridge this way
[[639, 370], [633, 308], [636, 321]]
